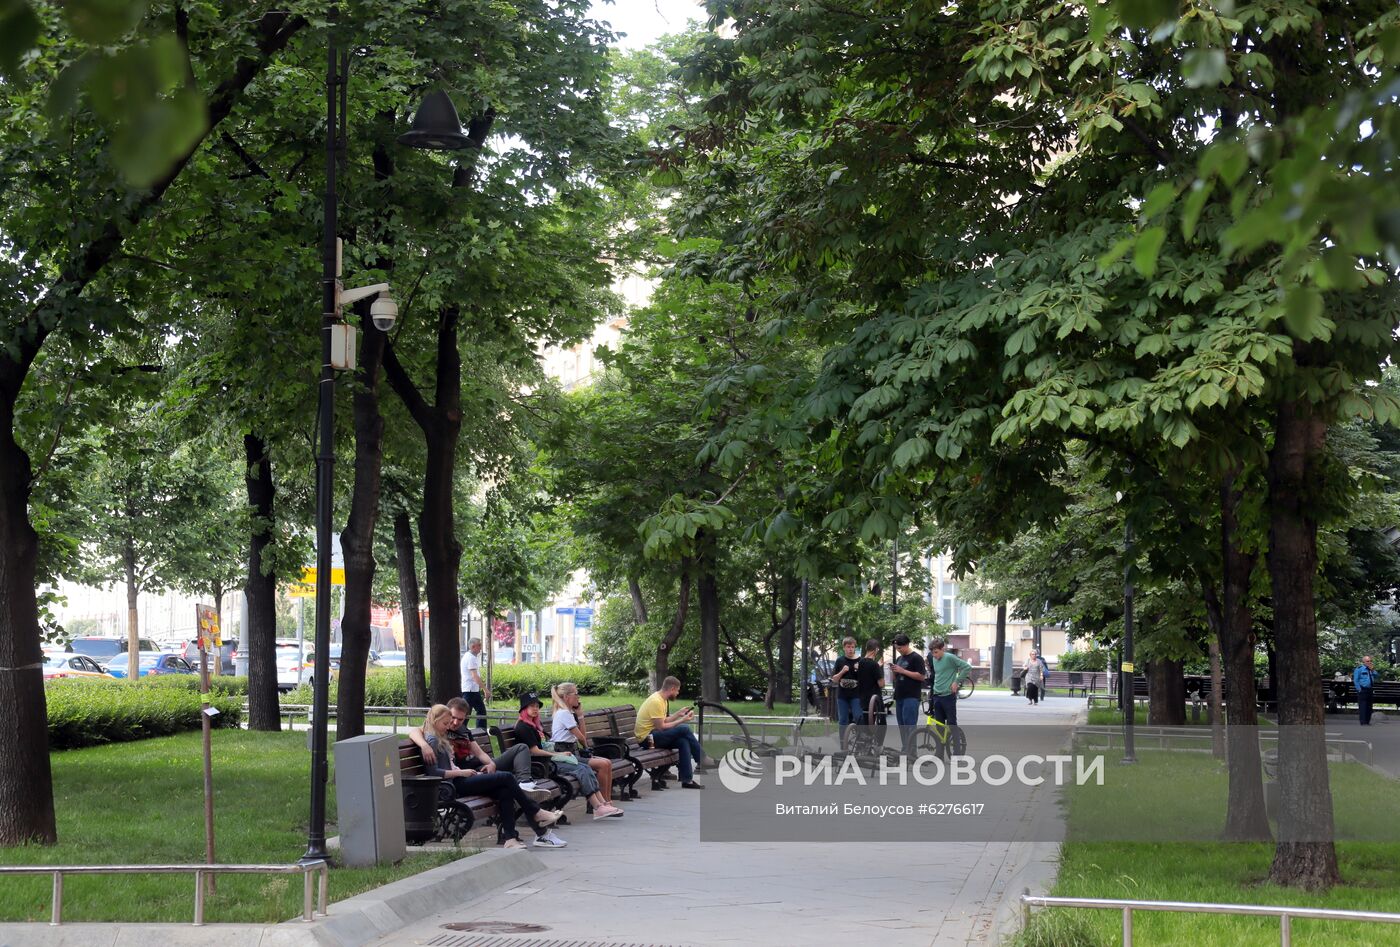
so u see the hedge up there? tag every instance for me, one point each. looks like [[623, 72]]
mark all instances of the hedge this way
[[223, 684], [88, 713], [388, 687]]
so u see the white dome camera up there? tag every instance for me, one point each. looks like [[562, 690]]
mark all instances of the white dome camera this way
[[383, 312]]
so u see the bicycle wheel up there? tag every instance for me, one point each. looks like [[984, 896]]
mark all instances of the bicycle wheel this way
[[927, 743], [957, 743], [965, 689]]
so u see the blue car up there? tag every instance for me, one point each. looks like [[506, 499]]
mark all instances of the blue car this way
[[151, 664]]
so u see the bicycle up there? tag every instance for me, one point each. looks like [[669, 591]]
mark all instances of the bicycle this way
[[965, 689], [939, 739]]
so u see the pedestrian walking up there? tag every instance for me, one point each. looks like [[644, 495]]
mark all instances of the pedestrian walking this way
[[1034, 677]]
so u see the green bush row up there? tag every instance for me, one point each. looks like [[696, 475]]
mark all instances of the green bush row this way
[[87, 713], [223, 684], [388, 687]]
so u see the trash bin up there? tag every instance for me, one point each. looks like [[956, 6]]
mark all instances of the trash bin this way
[[1017, 678], [420, 794], [369, 802]]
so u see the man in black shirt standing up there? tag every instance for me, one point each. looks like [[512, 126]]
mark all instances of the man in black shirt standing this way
[[909, 675]]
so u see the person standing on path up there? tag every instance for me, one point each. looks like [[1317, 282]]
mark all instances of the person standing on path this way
[[1034, 678], [909, 676], [847, 683], [474, 692], [947, 671], [870, 681], [1364, 677]]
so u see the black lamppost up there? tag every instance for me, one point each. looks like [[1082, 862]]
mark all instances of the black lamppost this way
[[435, 127], [1126, 668]]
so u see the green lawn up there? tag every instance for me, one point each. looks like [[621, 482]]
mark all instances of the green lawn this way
[[142, 803], [1176, 796]]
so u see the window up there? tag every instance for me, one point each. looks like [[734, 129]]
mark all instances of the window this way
[[952, 610]]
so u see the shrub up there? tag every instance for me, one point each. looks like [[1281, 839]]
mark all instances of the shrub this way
[[224, 684], [388, 687], [1094, 659], [87, 713]]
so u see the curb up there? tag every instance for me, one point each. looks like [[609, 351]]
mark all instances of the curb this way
[[351, 923]]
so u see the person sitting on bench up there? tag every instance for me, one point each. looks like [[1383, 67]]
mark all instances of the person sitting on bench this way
[[515, 760], [566, 731], [529, 733], [484, 781], [670, 731]]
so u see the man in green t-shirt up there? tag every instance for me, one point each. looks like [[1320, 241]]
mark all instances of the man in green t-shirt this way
[[947, 671], [671, 731]]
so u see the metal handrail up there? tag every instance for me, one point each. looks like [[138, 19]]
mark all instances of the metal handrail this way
[[1284, 914], [305, 870], [1346, 748]]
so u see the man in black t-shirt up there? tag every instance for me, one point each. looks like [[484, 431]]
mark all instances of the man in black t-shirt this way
[[870, 680], [909, 674], [846, 681]]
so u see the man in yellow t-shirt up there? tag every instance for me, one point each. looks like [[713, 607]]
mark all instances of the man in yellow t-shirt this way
[[671, 731]]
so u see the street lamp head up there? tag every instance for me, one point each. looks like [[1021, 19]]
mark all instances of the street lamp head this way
[[383, 312], [436, 127]]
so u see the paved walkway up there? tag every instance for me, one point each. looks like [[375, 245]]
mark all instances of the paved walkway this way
[[647, 879]]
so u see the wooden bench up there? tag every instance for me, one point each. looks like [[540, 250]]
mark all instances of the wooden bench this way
[[622, 732], [453, 821], [547, 775], [1340, 693]]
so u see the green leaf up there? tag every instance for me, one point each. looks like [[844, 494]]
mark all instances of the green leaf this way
[[1195, 203], [1116, 253], [19, 31], [1159, 200], [1149, 246], [1204, 67], [103, 21], [1302, 313], [911, 452], [1145, 14]]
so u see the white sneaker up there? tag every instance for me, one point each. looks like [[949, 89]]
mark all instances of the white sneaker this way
[[527, 785], [549, 840]]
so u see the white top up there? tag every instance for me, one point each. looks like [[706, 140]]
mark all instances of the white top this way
[[470, 662], [562, 724]]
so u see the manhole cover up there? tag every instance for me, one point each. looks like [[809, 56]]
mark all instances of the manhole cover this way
[[495, 927]]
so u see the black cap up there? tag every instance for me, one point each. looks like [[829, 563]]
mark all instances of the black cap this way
[[527, 699]]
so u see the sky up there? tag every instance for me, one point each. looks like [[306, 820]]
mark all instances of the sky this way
[[644, 21]]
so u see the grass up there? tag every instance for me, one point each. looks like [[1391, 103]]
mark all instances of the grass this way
[[142, 803], [1169, 798]]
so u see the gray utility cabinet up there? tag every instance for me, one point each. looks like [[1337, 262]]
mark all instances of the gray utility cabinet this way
[[369, 800]]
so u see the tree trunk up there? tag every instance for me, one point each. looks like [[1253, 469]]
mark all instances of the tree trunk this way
[[999, 646], [441, 424], [639, 605], [260, 637], [358, 539], [708, 592], [408, 604], [1166, 693], [1245, 816], [787, 640], [133, 615], [673, 634], [26, 781], [1306, 855]]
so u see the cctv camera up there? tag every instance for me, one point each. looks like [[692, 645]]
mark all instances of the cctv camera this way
[[383, 312]]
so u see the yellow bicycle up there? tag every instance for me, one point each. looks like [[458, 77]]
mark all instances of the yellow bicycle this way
[[939, 739]]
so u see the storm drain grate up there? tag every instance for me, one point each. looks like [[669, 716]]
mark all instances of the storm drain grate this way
[[496, 927], [493, 940]]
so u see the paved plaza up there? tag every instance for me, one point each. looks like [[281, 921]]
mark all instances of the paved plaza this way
[[647, 879]]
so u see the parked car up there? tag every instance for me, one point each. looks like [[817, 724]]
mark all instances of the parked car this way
[[101, 648], [335, 660], [63, 664], [292, 667], [152, 664], [228, 652], [393, 659]]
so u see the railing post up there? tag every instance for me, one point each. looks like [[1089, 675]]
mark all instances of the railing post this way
[[1127, 927], [56, 912], [325, 878], [198, 898], [1285, 930], [306, 894], [1025, 908]]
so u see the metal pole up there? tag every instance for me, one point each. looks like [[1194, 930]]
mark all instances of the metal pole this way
[[199, 899], [325, 468], [894, 574], [56, 913], [206, 725], [1126, 687], [1127, 927], [806, 651], [1285, 931]]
